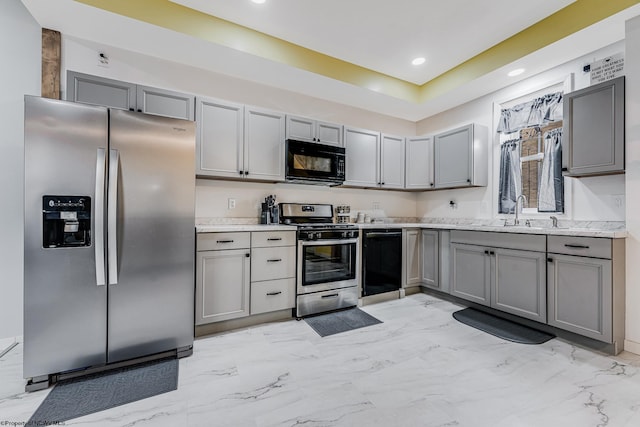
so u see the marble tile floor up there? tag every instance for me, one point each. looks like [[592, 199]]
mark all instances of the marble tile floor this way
[[418, 368]]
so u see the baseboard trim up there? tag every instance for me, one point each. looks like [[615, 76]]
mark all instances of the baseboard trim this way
[[632, 347]]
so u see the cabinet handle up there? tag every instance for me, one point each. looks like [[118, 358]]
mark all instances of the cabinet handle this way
[[246, 173], [569, 245], [469, 181], [486, 252], [492, 253], [274, 260], [274, 293], [224, 241], [565, 169], [431, 184], [247, 255], [549, 259], [382, 183], [131, 109], [329, 296], [139, 110], [274, 239], [241, 172]]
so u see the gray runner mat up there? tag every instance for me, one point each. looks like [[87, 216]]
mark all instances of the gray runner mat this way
[[340, 321], [501, 328], [85, 395]]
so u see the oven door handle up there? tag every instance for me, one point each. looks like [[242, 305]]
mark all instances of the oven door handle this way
[[328, 242]]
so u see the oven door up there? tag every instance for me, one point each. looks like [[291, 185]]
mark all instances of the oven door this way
[[327, 264], [314, 163]]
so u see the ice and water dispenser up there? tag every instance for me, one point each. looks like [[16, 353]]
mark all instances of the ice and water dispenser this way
[[66, 221]]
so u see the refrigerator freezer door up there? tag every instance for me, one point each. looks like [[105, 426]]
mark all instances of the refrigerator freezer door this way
[[151, 305], [65, 310]]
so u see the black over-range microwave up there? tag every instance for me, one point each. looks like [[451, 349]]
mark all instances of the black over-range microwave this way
[[314, 163]]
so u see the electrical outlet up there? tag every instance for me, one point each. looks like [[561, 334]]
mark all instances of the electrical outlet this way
[[618, 200], [231, 203], [375, 205]]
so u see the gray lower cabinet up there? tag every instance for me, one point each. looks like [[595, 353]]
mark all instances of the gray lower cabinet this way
[[111, 93], [585, 279], [431, 259], [411, 256], [273, 271], [593, 129], [470, 273], [519, 283], [511, 278], [222, 277]]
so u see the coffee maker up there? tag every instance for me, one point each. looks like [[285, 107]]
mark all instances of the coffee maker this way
[[269, 213]]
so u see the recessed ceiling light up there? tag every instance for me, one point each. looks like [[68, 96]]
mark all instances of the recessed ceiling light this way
[[259, 1], [418, 61], [515, 72]]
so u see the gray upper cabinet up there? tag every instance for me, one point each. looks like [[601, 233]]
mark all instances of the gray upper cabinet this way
[[219, 138], [392, 162], [238, 141], [111, 93], [362, 150], [419, 163], [264, 132], [461, 157], [305, 129], [593, 134]]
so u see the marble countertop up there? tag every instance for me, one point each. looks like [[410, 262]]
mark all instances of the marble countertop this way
[[202, 227]]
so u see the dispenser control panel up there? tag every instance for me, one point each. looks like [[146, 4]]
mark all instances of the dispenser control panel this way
[[66, 221]]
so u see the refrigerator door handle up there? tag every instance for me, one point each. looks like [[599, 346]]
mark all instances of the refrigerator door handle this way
[[112, 207], [98, 243]]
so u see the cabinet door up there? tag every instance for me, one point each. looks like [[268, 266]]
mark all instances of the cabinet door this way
[[412, 257], [222, 285], [419, 163], [519, 283], [454, 157], [362, 151], [329, 133], [580, 295], [392, 162], [430, 258], [219, 138], [100, 91], [594, 129], [301, 129], [264, 144], [165, 103], [471, 273]]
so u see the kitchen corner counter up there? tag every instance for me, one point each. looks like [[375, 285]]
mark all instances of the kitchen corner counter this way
[[561, 231]]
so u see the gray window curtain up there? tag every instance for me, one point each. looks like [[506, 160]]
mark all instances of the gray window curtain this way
[[542, 110], [550, 193], [510, 184]]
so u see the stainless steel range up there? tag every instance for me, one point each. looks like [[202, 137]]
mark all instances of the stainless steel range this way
[[328, 263]]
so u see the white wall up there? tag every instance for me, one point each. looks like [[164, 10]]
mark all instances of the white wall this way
[[20, 45], [589, 199], [632, 178]]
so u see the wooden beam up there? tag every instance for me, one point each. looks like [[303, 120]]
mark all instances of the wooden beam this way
[[50, 64]]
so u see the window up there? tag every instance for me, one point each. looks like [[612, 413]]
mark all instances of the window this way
[[530, 135]]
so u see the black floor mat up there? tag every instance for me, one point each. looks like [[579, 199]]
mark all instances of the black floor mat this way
[[86, 395], [340, 321], [501, 328]]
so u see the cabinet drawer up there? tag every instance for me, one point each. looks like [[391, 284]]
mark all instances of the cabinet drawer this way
[[525, 242], [273, 263], [593, 247], [267, 239], [273, 295], [219, 241]]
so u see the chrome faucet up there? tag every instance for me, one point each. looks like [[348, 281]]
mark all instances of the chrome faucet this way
[[522, 197], [554, 221]]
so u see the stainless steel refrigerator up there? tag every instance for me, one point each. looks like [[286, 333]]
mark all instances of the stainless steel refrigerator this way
[[109, 237]]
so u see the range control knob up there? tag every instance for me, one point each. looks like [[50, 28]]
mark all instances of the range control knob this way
[[311, 235]]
